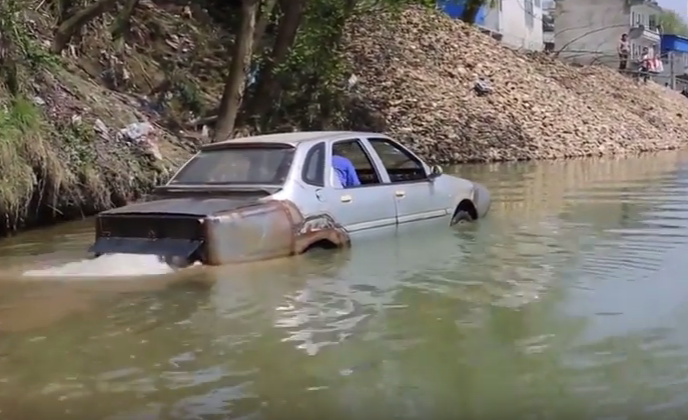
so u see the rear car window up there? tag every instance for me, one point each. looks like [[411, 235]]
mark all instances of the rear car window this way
[[237, 165]]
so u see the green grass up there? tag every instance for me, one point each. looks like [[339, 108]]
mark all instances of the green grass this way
[[55, 167], [25, 158]]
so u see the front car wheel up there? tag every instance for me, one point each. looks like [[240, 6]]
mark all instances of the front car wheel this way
[[461, 216]]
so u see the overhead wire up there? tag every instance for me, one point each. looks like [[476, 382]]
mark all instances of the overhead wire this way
[[598, 56]]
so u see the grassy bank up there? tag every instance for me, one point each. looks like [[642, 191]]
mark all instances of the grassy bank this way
[[59, 152], [62, 151], [57, 168]]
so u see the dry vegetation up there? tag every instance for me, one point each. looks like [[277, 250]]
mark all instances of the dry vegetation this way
[[420, 81], [60, 153]]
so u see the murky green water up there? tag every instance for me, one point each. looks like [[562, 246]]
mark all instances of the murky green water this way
[[569, 301]]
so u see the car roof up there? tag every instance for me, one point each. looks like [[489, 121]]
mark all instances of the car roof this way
[[294, 138]]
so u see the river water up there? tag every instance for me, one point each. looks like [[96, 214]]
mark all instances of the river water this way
[[569, 301]]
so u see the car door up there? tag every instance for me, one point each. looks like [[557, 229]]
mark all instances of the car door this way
[[416, 196], [368, 208]]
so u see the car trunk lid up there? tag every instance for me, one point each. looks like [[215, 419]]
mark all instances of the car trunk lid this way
[[148, 233]]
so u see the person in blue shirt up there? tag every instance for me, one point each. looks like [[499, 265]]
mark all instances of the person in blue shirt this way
[[345, 171]]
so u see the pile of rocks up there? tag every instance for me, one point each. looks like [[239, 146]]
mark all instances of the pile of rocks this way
[[419, 71]]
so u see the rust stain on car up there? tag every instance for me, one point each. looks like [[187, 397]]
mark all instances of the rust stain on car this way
[[268, 230], [234, 233]]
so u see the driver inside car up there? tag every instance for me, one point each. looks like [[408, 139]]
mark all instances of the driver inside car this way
[[345, 171]]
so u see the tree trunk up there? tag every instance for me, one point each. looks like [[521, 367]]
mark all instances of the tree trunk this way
[[8, 63], [123, 22], [471, 9], [286, 33], [71, 26], [238, 71], [63, 10], [263, 22]]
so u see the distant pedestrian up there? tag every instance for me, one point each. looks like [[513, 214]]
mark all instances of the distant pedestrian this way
[[624, 50], [646, 64]]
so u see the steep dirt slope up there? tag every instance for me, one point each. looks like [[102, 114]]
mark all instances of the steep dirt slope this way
[[418, 73]]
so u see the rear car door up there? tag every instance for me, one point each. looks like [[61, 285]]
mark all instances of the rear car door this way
[[369, 207], [416, 196]]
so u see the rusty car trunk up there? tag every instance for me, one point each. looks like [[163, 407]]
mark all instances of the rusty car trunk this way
[[212, 227], [168, 224]]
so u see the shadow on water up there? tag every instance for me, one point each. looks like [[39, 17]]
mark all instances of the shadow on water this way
[[566, 302]]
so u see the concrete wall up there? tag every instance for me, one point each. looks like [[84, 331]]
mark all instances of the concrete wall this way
[[588, 31], [510, 18], [520, 28], [493, 18]]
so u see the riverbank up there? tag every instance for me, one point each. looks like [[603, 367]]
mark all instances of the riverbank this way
[[104, 121], [70, 148], [75, 135], [417, 74]]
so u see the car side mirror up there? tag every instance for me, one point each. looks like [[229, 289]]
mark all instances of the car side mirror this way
[[435, 171]]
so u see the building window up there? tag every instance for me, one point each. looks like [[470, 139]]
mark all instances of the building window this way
[[652, 24], [636, 50], [632, 18], [547, 22], [530, 18], [538, 4]]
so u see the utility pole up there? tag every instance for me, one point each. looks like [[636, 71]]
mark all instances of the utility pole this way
[[672, 71]]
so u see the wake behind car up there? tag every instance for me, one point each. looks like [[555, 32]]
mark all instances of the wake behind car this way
[[277, 195]]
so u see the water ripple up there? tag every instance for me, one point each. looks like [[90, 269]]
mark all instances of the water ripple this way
[[568, 300]]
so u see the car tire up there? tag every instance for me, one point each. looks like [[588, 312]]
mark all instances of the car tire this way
[[461, 216], [176, 262]]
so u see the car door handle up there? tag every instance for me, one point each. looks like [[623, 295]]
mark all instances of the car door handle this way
[[346, 199], [400, 194]]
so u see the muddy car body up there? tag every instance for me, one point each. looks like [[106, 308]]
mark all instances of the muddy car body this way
[[277, 195]]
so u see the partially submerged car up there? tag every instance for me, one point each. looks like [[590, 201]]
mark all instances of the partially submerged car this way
[[277, 195]]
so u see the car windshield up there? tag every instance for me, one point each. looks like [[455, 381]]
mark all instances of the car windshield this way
[[238, 165]]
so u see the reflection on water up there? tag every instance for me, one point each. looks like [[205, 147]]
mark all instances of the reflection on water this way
[[566, 302]]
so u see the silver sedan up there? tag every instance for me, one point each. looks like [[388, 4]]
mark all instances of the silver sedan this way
[[276, 195]]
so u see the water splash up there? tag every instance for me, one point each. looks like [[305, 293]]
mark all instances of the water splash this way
[[109, 265]]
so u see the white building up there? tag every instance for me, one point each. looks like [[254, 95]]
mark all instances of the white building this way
[[588, 31], [517, 23]]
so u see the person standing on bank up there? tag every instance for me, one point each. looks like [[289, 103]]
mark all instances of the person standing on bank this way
[[646, 64], [624, 49]]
